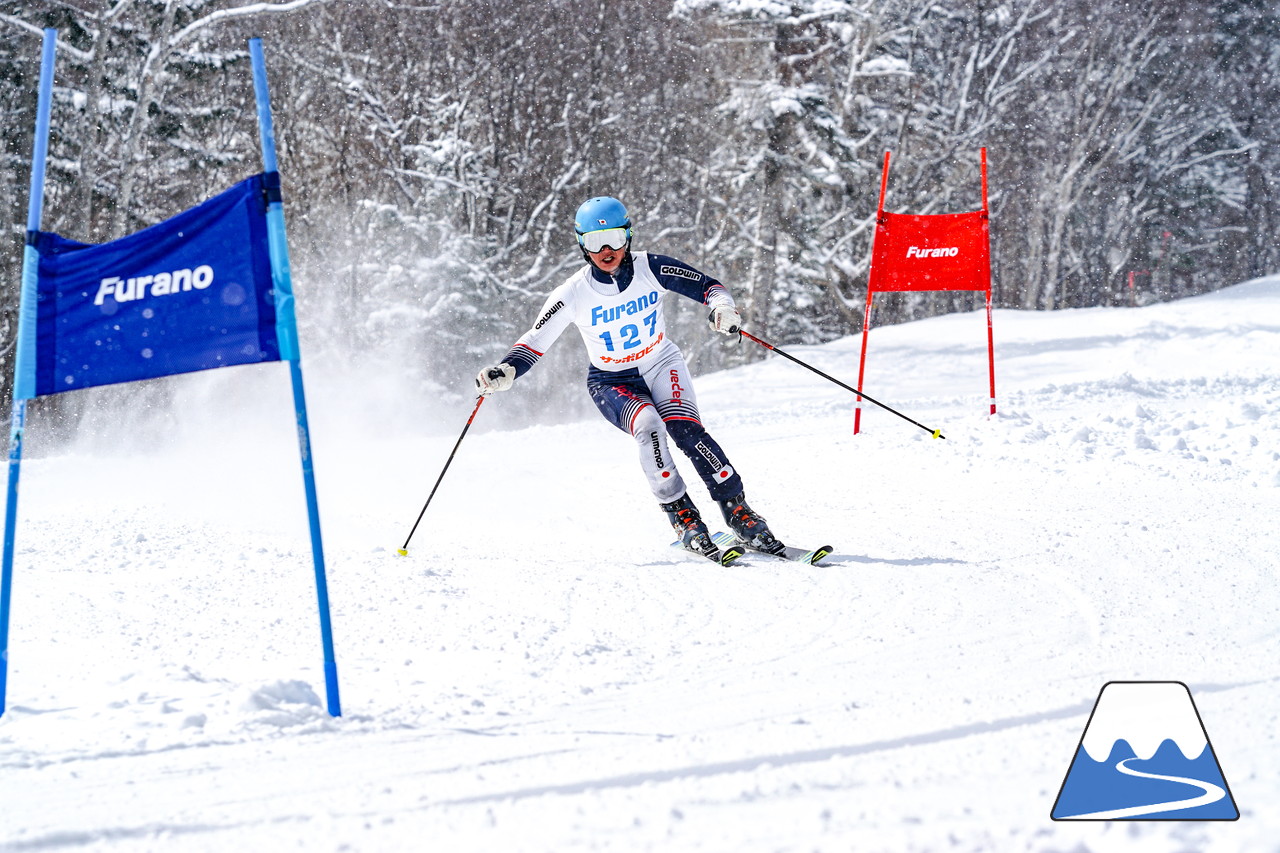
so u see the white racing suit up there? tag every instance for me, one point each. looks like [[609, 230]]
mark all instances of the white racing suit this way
[[638, 378]]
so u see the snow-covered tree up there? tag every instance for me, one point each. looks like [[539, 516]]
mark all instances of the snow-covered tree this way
[[433, 154]]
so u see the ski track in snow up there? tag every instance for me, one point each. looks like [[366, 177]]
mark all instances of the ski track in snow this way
[[543, 673]]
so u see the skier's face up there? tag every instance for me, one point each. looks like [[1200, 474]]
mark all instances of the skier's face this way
[[608, 259]]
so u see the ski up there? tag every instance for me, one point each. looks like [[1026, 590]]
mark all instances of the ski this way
[[795, 555], [726, 554]]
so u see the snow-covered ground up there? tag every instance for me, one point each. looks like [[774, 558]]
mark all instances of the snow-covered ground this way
[[543, 673]]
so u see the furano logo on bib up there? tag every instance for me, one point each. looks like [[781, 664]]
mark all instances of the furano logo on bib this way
[[161, 284], [635, 306], [916, 252]]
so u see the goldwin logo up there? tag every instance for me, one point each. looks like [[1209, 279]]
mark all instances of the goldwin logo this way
[[681, 272], [547, 316], [708, 455], [917, 252]]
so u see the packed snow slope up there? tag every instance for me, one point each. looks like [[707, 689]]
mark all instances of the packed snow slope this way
[[543, 673]]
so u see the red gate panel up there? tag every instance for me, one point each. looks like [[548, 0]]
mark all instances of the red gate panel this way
[[946, 251]]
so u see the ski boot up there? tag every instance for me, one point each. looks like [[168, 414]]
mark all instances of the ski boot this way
[[689, 526], [749, 526]]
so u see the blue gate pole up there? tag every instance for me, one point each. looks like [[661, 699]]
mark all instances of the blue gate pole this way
[[287, 333], [24, 362]]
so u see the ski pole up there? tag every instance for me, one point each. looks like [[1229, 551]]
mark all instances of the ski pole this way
[[404, 550], [933, 432]]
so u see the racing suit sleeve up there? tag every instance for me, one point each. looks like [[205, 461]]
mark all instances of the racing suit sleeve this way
[[554, 318], [679, 277]]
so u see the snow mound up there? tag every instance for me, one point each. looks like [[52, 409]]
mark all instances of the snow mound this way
[[281, 704]]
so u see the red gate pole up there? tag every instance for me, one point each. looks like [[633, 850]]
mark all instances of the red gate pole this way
[[986, 237], [862, 364], [866, 319], [991, 354]]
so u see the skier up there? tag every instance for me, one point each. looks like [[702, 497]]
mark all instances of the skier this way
[[638, 378]]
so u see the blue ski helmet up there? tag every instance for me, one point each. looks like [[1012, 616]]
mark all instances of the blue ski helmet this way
[[601, 213]]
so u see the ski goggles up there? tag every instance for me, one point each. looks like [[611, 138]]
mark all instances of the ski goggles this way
[[595, 241]]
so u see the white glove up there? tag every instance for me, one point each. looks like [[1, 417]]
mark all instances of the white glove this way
[[725, 319], [496, 378]]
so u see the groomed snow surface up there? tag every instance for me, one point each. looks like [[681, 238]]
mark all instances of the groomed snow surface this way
[[543, 673]]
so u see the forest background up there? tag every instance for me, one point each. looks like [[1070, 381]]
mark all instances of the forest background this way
[[433, 154]]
